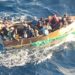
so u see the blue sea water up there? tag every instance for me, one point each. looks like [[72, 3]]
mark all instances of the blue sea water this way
[[39, 8], [61, 60]]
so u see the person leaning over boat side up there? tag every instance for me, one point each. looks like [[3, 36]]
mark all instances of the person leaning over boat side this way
[[64, 20], [20, 30]]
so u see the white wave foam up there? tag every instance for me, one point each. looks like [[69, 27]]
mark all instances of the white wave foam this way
[[70, 37]]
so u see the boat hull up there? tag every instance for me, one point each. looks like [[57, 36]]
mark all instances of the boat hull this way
[[51, 39]]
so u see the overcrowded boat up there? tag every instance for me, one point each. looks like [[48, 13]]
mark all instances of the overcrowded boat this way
[[36, 33]]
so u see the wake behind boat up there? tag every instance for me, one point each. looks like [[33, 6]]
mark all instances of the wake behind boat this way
[[44, 33]]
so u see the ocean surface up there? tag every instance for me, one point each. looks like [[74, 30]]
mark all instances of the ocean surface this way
[[56, 60]]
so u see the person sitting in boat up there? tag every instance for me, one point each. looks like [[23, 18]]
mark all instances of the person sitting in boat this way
[[30, 32], [60, 24], [44, 30], [64, 19], [20, 31], [49, 19], [54, 22], [69, 20], [34, 22], [41, 21], [4, 32], [48, 26], [40, 26], [36, 32], [25, 26], [11, 33]]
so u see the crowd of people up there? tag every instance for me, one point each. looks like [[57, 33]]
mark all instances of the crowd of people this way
[[42, 26]]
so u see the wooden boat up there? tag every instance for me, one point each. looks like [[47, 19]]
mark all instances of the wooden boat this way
[[53, 38]]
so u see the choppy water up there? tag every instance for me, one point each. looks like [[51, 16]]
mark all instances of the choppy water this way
[[39, 8], [59, 60]]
